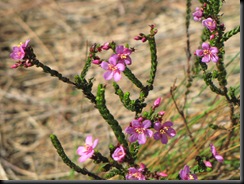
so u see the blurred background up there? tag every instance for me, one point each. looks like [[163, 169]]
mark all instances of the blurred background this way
[[33, 104]]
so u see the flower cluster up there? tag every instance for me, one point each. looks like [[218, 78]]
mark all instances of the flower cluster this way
[[215, 154], [117, 62], [119, 154], [18, 53], [207, 53], [185, 174], [136, 173], [139, 129], [87, 150]]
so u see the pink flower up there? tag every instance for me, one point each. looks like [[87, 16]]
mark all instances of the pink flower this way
[[119, 154], [135, 174], [215, 154], [105, 46], [207, 163], [162, 174], [185, 174], [18, 52], [208, 53], [122, 55], [97, 61], [139, 131], [156, 103], [163, 131], [161, 113], [197, 15], [113, 68], [87, 151], [209, 23]]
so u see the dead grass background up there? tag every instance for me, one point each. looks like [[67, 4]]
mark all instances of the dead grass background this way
[[34, 105]]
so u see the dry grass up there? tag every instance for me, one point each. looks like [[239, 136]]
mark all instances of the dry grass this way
[[34, 105]]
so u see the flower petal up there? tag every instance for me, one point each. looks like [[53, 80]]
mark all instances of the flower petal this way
[[81, 150], [89, 140], [112, 60], [108, 75], [168, 124], [142, 139], [133, 138], [83, 158], [149, 133], [135, 123], [199, 52], [157, 126], [164, 138], [119, 49], [117, 76], [95, 143], [121, 67], [214, 50], [104, 65], [171, 132], [157, 136], [219, 158], [206, 59], [215, 58], [127, 60], [205, 46], [146, 124]]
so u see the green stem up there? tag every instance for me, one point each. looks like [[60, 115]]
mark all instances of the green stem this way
[[230, 33], [68, 162], [133, 78]]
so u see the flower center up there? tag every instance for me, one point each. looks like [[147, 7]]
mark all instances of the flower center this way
[[123, 56], [209, 23], [191, 177], [206, 52], [87, 148], [112, 67], [163, 130], [139, 130], [137, 175]]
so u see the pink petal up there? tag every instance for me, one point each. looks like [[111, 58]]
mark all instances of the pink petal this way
[[129, 130], [133, 138], [128, 61], [215, 58], [142, 139], [205, 46], [157, 136], [219, 158], [168, 124], [108, 75], [149, 133], [81, 150], [164, 138], [199, 52], [117, 76], [112, 60], [95, 143], [171, 132], [121, 67], [104, 65], [157, 126], [146, 124], [89, 140], [83, 158], [214, 50], [119, 49], [206, 59], [135, 123]]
